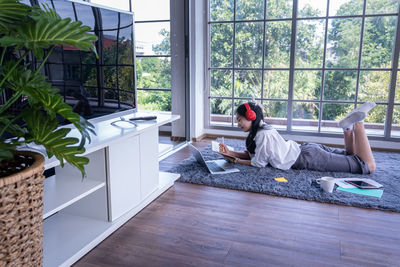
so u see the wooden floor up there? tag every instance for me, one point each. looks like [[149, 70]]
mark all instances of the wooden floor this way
[[193, 225]]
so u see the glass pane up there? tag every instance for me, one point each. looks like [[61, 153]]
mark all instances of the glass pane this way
[[311, 8], [275, 113], [374, 86], [221, 45], [307, 84], [89, 75], [221, 82], [154, 100], [125, 46], [396, 121], [340, 85], [110, 77], [221, 112], [152, 38], [343, 43], [87, 57], [71, 55], [249, 9], [279, 9], [276, 84], [56, 72], [72, 73], [310, 43], [345, 7], [110, 48], [305, 116], [65, 10], [332, 113], [126, 76], [56, 55], [375, 121], [221, 10], [91, 93], [249, 43], [381, 6], [277, 44], [153, 72], [122, 5], [248, 83], [126, 99], [378, 42], [109, 19], [145, 9], [75, 97], [125, 20], [83, 12], [111, 98]]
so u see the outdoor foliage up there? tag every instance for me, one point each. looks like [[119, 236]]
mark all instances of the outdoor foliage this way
[[155, 73], [343, 46]]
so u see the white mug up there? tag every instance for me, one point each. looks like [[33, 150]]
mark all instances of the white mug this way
[[327, 183]]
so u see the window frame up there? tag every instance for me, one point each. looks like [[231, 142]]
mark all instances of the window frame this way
[[390, 104]]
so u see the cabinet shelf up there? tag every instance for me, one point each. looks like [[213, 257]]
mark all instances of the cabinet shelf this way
[[68, 237], [60, 193]]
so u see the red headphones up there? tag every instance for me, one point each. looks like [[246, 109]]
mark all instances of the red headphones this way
[[250, 114]]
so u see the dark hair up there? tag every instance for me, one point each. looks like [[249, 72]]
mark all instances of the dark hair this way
[[255, 125]]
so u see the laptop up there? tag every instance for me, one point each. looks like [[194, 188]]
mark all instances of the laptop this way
[[218, 166]]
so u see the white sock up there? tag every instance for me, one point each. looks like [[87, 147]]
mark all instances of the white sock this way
[[356, 115]]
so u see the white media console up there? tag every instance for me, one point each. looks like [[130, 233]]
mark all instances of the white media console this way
[[122, 178]]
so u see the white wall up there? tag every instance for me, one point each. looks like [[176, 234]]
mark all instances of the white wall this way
[[198, 69], [178, 66]]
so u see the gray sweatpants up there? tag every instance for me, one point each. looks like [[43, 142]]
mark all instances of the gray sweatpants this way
[[323, 158]]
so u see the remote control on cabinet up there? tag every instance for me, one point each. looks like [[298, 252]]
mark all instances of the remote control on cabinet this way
[[143, 118]]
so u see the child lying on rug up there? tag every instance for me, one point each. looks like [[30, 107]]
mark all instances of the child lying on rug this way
[[266, 146]]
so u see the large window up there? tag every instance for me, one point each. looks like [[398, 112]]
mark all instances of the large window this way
[[308, 62], [153, 54]]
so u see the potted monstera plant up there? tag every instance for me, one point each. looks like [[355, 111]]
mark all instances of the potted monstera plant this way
[[27, 32]]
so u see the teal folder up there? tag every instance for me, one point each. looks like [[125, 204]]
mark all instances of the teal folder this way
[[367, 192]]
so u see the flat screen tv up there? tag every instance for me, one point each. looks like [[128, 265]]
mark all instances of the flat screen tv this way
[[93, 86]]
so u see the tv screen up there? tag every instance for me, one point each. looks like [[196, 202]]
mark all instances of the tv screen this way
[[94, 86]]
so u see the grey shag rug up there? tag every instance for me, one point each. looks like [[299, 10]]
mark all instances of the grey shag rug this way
[[300, 182]]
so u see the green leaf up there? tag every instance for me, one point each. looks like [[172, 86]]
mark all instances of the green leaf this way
[[44, 132], [46, 30], [6, 150], [28, 82], [12, 128], [46, 11], [11, 13]]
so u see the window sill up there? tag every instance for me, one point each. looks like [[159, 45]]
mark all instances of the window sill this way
[[335, 141]]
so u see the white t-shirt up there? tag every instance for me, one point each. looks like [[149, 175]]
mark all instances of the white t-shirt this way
[[273, 149]]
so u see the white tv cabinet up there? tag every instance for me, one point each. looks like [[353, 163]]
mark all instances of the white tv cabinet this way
[[122, 178]]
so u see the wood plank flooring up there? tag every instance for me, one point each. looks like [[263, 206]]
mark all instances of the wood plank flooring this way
[[194, 225]]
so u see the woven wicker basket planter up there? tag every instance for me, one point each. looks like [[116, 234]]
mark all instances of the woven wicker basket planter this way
[[21, 211]]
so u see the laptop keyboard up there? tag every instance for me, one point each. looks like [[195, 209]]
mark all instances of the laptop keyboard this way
[[214, 167]]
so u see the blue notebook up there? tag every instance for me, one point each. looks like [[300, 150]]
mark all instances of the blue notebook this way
[[367, 192]]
